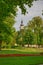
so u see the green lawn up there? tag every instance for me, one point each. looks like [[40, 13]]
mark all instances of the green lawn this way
[[21, 50], [16, 52], [28, 60]]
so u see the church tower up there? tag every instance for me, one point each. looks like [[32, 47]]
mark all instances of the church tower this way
[[21, 26]]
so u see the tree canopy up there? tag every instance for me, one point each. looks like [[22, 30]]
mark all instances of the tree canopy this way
[[8, 9], [32, 33], [9, 6]]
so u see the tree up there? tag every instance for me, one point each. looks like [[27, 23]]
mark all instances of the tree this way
[[36, 25], [5, 35], [8, 8], [29, 36], [20, 38], [25, 36]]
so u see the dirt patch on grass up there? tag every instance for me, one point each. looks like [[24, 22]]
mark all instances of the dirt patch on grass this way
[[12, 55]]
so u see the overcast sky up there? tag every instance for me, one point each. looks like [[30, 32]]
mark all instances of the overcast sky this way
[[35, 10]]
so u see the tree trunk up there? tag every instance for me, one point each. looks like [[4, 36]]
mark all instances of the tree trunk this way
[[38, 46], [22, 45], [28, 45]]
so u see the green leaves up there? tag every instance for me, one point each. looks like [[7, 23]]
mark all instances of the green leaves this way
[[6, 7], [36, 25], [6, 29]]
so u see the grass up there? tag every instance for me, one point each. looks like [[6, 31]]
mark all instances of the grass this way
[[30, 49], [26, 60], [16, 52], [21, 51], [30, 60]]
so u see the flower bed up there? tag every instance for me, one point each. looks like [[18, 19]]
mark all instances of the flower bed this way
[[12, 55]]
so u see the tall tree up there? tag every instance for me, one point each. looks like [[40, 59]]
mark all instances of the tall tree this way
[[8, 7], [5, 35], [36, 25]]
